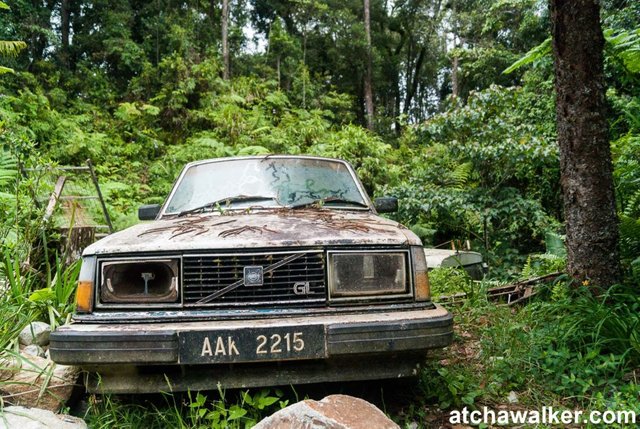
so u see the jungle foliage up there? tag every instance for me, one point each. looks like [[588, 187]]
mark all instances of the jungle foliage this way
[[464, 134]]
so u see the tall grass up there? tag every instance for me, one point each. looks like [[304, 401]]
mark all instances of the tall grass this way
[[16, 311], [23, 299]]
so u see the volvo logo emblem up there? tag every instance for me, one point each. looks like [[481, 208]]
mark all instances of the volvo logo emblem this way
[[253, 276], [302, 288]]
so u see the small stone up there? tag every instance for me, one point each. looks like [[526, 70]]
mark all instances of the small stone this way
[[33, 350], [35, 418], [35, 333], [513, 397]]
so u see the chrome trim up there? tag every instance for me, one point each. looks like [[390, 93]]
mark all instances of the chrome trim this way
[[408, 263], [240, 253]]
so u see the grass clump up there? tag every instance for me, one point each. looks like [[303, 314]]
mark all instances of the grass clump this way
[[194, 410]]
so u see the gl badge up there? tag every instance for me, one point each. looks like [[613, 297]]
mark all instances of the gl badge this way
[[253, 276], [302, 288]]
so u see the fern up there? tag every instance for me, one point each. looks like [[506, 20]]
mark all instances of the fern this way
[[459, 177], [538, 52], [8, 168], [542, 264], [11, 48], [629, 236], [626, 45], [632, 208]]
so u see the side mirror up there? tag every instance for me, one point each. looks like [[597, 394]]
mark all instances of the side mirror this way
[[386, 204], [148, 211]]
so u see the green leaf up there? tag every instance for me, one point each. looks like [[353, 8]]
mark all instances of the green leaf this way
[[42, 295], [540, 51], [11, 48], [235, 412]]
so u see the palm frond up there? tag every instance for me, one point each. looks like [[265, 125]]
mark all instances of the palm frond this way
[[11, 48]]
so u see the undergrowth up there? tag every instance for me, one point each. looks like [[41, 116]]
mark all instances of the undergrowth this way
[[193, 410], [566, 348]]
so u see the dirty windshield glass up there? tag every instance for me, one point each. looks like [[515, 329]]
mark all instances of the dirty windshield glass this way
[[277, 181]]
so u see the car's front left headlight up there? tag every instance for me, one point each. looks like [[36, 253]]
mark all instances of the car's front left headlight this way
[[139, 281], [368, 273]]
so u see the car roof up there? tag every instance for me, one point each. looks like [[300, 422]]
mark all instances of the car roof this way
[[281, 156]]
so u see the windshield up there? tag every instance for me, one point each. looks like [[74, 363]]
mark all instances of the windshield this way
[[278, 182]]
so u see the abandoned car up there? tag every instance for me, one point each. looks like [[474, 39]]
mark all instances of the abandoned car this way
[[256, 271]]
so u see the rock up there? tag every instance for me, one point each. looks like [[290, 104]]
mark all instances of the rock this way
[[35, 333], [332, 412], [8, 366], [513, 397], [35, 418], [33, 350], [36, 382]]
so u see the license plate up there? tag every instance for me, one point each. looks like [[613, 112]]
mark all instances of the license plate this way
[[252, 344]]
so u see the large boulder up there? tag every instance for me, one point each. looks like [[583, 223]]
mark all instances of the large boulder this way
[[332, 412], [34, 418], [36, 382], [35, 333]]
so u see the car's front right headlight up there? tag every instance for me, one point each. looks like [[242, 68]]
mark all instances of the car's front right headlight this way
[[368, 273]]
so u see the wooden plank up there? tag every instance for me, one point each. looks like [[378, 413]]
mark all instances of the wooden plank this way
[[94, 178], [79, 197], [513, 293], [53, 199]]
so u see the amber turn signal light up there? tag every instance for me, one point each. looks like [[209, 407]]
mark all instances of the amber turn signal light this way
[[423, 290], [84, 297]]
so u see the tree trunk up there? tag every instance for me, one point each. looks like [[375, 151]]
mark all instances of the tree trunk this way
[[414, 78], [64, 31], [225, 41], [455, 85], [368, 88], [585, 154]]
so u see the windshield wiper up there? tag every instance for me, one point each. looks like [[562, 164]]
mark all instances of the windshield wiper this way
[[227, 200], [321, 201]]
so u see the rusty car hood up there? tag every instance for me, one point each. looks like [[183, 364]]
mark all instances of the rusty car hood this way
[[260, 229]]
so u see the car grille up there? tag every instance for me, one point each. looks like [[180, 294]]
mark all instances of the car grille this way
[[205, 275]]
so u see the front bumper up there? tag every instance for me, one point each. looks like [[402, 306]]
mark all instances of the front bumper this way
[[340, 341]]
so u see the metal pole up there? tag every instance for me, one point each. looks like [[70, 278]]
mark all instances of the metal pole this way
[[104, 207]]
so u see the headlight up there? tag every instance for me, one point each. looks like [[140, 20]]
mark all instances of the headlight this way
[[368, 273], [141, 281]]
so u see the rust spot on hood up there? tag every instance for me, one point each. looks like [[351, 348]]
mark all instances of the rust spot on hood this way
[[186, 226], [240, 230]]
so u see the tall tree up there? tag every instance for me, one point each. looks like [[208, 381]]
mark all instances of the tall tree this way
[[64, 31], [368, 87], [225, 39], [585, 153]]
